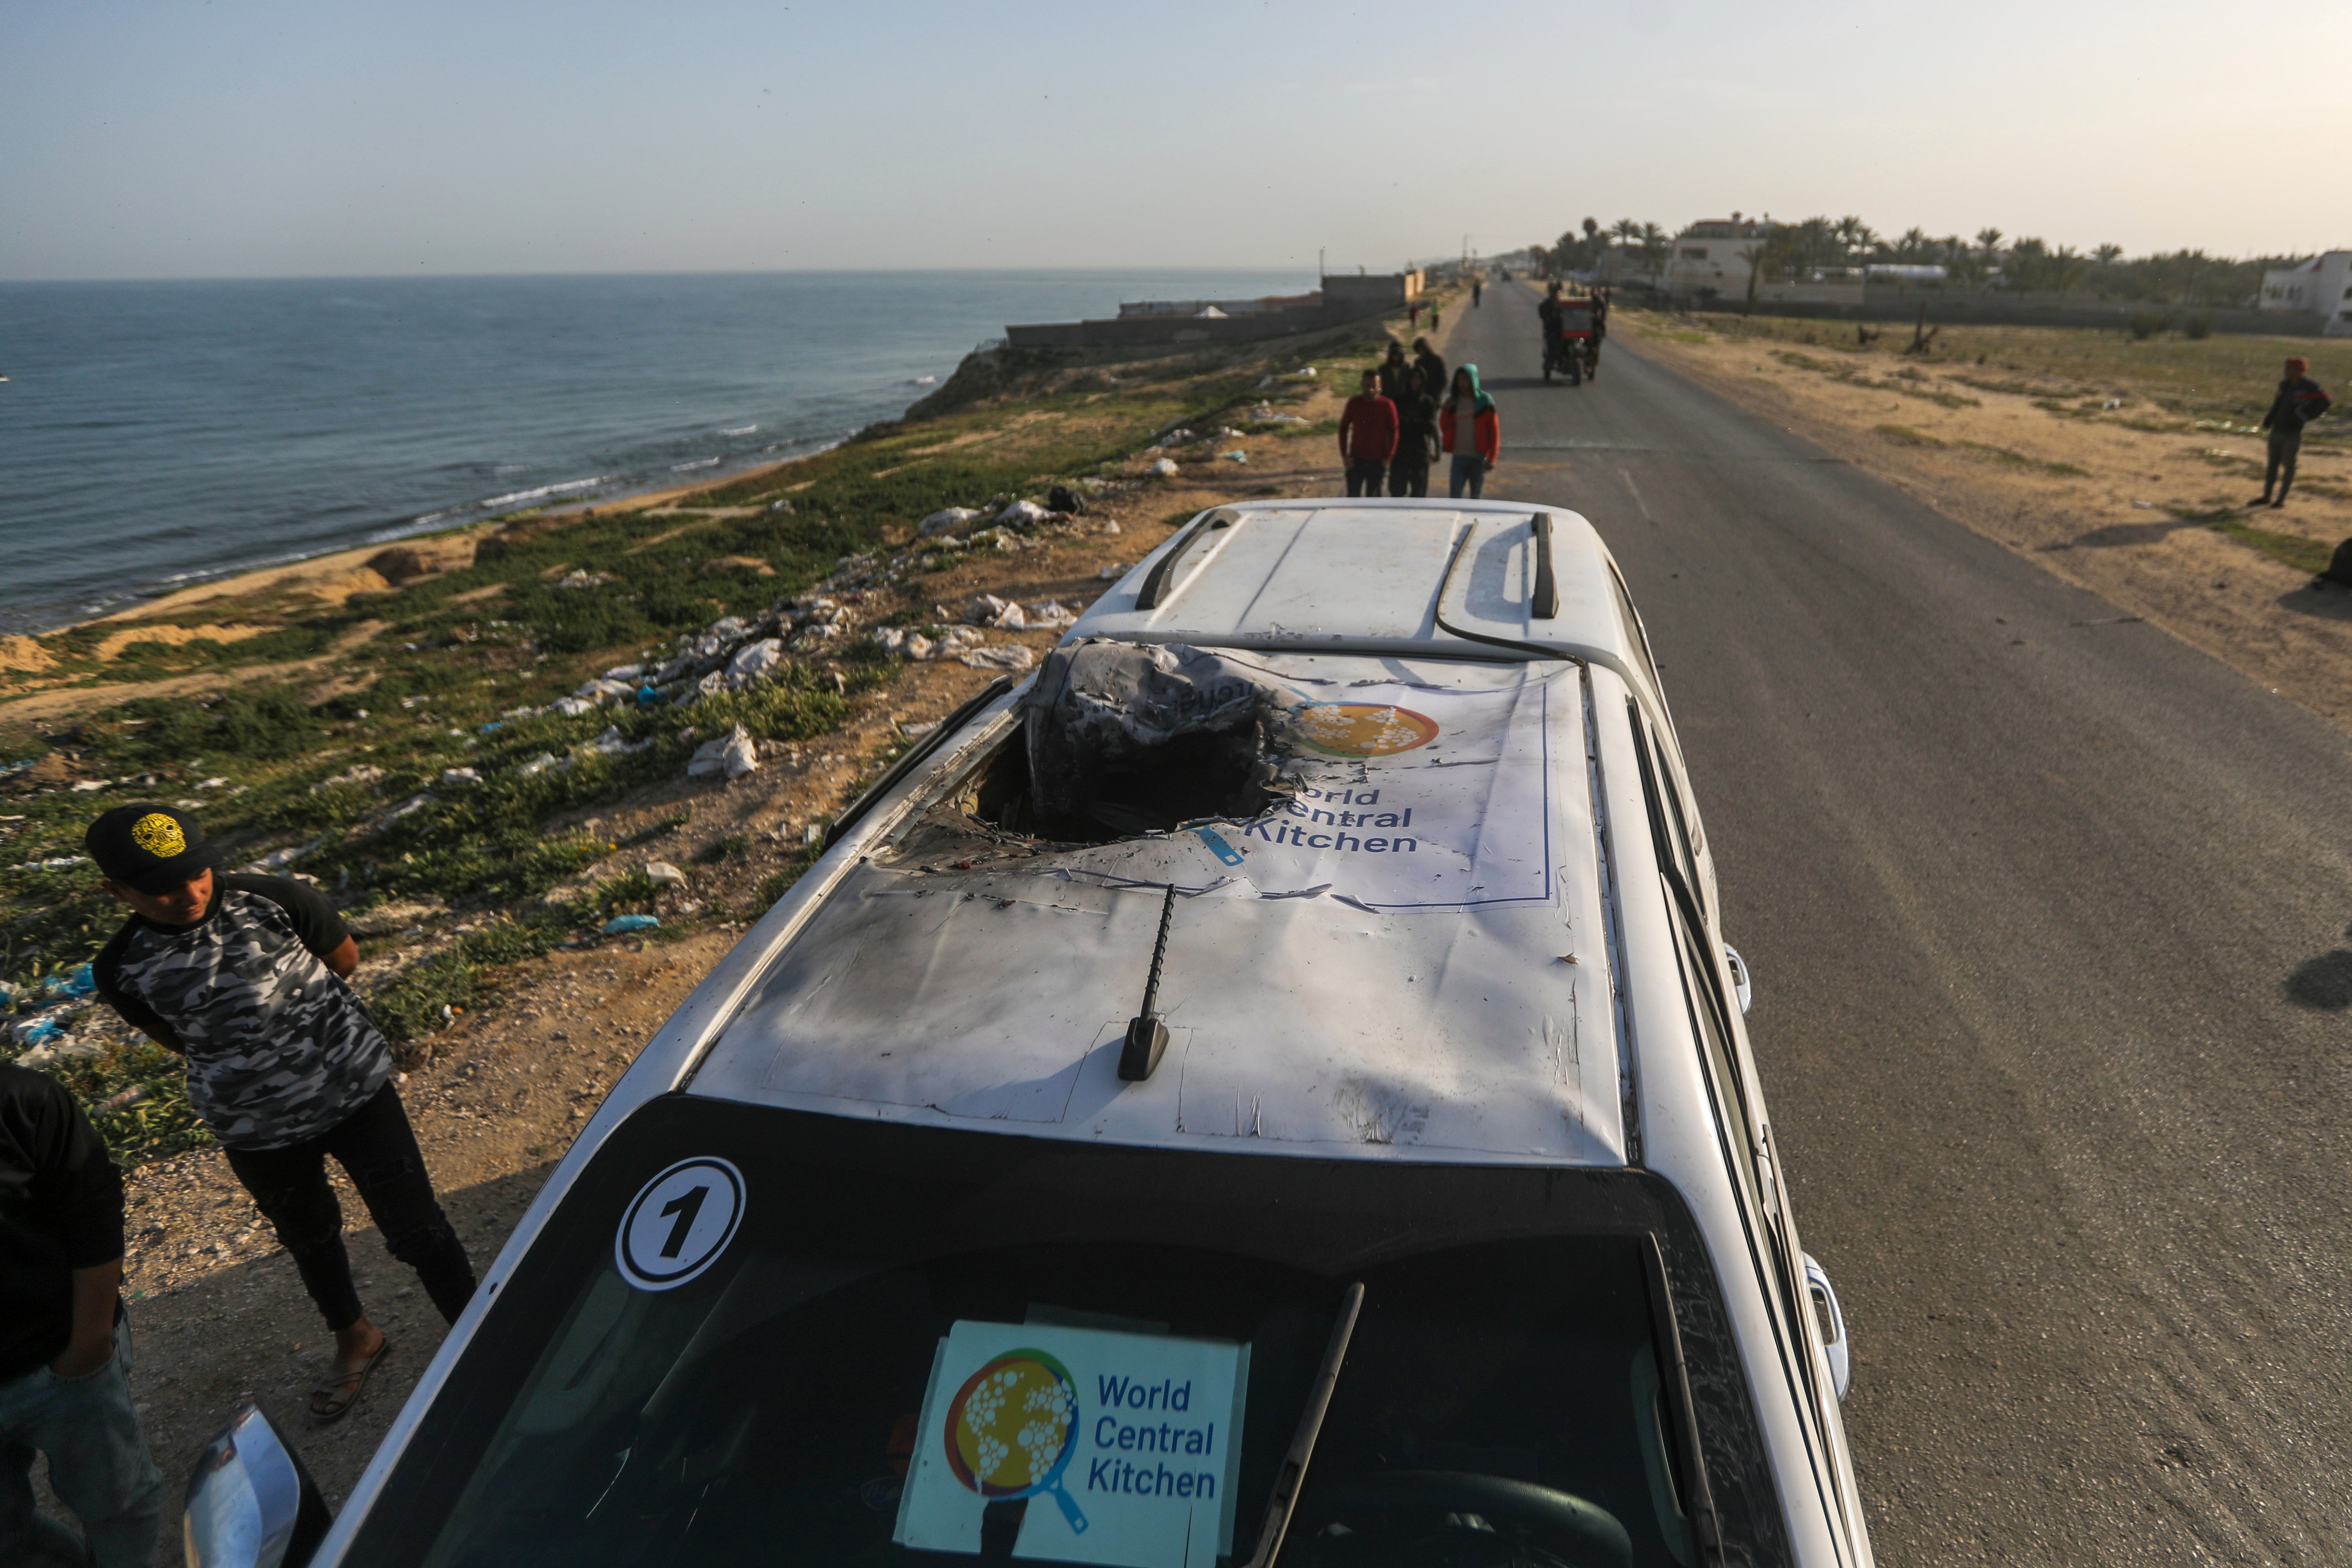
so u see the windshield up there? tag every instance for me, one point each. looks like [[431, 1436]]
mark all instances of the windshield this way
[[755, 1336]]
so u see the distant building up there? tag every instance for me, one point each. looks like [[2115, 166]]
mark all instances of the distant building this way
[[2319, 286], [1712, 258]]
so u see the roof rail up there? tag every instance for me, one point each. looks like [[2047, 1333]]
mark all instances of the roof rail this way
[[1437, 612], [1148, 597]]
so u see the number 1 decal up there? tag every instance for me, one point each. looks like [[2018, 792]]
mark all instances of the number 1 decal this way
[[679, 1222]]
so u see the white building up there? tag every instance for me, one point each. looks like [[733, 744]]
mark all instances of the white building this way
[[1712, 256], [2320, 286]]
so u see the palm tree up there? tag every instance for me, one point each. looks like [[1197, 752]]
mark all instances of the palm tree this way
[[1655, 244], [1988, 240], [1624, 231], [1591, 228], [1912, 246], [2107, 255], [1848, 232]]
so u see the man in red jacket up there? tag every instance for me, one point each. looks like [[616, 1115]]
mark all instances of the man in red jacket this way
[[1367, 436]]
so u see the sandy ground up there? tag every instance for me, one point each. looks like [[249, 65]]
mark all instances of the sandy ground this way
[[218, 1308], [2130, 524]]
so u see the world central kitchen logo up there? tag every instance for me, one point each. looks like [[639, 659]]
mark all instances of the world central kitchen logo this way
[[1015, 1426]]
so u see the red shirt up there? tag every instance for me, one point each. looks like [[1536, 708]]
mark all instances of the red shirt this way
[[1368, 429]]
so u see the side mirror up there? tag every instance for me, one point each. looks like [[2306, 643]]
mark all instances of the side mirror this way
[[251, 1502], [1740, 983], [1829, 1322]]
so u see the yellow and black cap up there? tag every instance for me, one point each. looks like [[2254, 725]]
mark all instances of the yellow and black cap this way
[[149, 847]]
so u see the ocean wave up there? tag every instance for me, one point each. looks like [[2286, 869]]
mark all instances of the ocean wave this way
[[566, 488], [738, 429], [924, 381], [698, 463]]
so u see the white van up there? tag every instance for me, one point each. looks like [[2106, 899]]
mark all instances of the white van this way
[[1270, 1084]]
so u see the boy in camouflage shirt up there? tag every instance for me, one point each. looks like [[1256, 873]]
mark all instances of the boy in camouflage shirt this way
[[243, 975]]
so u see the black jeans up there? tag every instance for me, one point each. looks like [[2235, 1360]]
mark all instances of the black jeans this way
[[377, 1149], [2284, 446], [1364, 476], [1408, 478]]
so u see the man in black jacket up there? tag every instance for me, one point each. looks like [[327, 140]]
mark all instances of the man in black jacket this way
[[2299, 402], [243, 975], [65, 1346]]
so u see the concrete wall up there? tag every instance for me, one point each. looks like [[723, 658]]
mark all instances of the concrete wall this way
[[1344, 300]]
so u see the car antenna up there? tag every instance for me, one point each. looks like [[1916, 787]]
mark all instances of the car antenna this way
[[1286, 1481], [1147, 1036]]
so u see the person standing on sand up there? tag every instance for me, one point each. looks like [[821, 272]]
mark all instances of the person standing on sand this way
[[245, 977], [2299, 402], [1471, 429], [1367, 436], [65, 1340], [1417, 437]]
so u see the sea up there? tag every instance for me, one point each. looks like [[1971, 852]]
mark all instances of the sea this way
[[154, 435]]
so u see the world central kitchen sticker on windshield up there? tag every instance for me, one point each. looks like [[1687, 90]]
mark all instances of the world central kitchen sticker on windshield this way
[[1115, 1448]]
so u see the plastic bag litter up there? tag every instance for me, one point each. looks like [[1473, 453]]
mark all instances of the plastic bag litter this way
[[1164, 469], [460, 778], [1049, 616], [629, 672], [754, 661], [921, 648], [662, 874], [1174, 438], [72, 985], [733, 754], [1235, 457], [621, 925], [37, 1030], [1004, 656], [946, 520], [573, 707], [890, 639], [610, 744], [603, 690], [543, 763], [585, 579], [988, 610], [1023, 511]]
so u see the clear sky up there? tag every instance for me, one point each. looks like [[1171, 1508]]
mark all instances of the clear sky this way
[[177, 137]]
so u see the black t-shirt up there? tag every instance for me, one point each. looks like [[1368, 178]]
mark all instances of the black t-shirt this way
[[60, 1209]]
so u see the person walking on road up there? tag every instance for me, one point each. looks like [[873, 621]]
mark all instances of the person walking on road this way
[[1417, 437], [65, 1341], [244, 976], [1472, 431], [2299, 402], [1367, 436], [1392, 368], [1432, 369], [1477, 292]]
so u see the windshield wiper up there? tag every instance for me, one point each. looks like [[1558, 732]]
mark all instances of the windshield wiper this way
[[1286, 1481]]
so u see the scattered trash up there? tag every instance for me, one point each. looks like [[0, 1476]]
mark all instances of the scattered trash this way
[[1022, 513], [1004, 655], [610, 744], [1174, 438], [988, 610], [1063, 499], [946, 522], [366, 775], [2145, 505], [605, 690], [733, 753], [1109, 526], [72, 985], [622, 925], [460, 778], [136, 1094], [1165, 468], [1267, 414], [755, 662], [1049, 616], [1235, 457], [781, 506], [751, 563], [624, 672], [647, 696], [913, 732], [584, 579], [1113, 572], [278, 860], [84, 786], [813, 833], [37, 1031], [543, 763], [572, 707], [662, 874], [921, 648]]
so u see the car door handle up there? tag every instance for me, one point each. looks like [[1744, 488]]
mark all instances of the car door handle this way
[[1830, 1321], [1741, 986]]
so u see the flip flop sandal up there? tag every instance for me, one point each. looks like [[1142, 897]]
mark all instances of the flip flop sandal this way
[[335, 1382]]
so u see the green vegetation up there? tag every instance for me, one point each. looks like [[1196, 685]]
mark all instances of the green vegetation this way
[[401, 749]]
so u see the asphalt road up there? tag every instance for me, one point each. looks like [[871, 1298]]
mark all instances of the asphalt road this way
[[2047, 916]]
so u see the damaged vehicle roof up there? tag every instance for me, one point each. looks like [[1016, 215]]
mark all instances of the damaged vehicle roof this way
[[1380, 880]]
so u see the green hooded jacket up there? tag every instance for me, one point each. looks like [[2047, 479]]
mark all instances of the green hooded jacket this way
[[1480, 398]]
